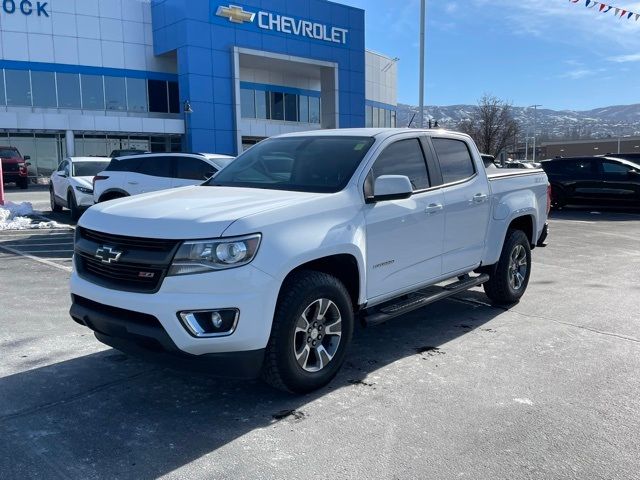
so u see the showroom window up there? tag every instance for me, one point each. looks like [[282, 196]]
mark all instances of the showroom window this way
[[314, 109], [277, 106], [69, 90], [248, 103], [137, 94], [115, 93], [174, 97], [303, 109], [290, 107], [368, 116], [18, 88], [43, 85], [92, 92], [262, 105], [158, 96], [2, 99]]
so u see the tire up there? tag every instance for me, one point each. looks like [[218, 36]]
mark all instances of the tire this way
[[301, 360], [558, 197], [23, 183], [76, 213], [52, 200], [510, 276]]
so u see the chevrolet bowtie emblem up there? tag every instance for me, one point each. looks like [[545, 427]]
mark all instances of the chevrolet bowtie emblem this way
[[108, 254], [235, 14]]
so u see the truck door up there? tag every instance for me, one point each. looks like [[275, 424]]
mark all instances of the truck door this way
[[467, 205], [404, 237]]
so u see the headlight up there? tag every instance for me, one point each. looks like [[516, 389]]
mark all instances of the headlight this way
[[84, 190], [200, 256]]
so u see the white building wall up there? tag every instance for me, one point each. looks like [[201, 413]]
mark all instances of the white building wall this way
[[97, 33], [381, 74]]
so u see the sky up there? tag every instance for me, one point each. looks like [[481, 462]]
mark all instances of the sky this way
[[555, 53]]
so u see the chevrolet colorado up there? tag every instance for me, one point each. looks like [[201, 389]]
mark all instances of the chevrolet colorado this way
[[263, 269]]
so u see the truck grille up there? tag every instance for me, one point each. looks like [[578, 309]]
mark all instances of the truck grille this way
[[10, 167], [140, 266]]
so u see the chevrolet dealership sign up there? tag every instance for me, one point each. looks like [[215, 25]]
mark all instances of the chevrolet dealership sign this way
[[284, 24]]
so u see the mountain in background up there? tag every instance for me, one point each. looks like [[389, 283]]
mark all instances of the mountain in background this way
[[614, 121]]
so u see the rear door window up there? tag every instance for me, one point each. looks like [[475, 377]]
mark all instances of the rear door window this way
[[156, 167], [456, 162], [189, 168], [615, 168], [578, 167], [125, 165]]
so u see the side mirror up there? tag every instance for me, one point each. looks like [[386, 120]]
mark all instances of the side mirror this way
[[27, 164], [634, 173], [26, 157], [391, 187]]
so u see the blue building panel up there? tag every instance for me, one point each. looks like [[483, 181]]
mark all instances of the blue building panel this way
[[204, 33]]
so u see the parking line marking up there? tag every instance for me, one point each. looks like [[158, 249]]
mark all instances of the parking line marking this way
[[34, 258]]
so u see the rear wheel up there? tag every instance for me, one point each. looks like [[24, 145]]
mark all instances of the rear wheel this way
[[52, 200], [311, 331], [73, 207], [510, 277]]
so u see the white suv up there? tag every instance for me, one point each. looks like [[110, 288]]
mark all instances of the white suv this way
[[71, 184], [132, 175]]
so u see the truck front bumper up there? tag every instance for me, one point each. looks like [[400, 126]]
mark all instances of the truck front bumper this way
[[142, 336], [148, 324]]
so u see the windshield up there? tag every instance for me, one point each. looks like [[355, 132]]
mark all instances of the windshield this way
[[6, 153], [304, 164], [88, 169]]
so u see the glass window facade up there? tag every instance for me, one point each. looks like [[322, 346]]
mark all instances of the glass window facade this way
[[115, 93], [137, 95], [88, 92], [92, 92], [376, 117], [18, 88], [69, 90], [275, 105], [43, 85]]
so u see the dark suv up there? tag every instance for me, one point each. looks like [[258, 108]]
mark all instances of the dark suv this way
[[593, 180], [14, 167]]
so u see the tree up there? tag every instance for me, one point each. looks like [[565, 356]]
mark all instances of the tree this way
[[492, 125]]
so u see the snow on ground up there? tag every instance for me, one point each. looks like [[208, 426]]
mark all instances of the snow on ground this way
[[14, 216]]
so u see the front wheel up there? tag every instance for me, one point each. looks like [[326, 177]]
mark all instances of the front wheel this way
[[73, 207], [510, 277], [52, 199], [311, 331]]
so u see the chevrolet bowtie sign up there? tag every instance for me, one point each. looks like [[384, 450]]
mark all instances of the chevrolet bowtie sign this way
[[284, 24]]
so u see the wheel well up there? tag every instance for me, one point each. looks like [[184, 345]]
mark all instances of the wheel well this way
[[526, 225], [344, 267], [111, 196]]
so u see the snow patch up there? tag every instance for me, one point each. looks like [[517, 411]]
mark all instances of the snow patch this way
[[14, 216]]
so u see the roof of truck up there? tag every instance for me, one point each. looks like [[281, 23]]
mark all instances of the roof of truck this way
[[364, 132]]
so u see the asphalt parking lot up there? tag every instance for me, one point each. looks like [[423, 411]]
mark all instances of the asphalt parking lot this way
[[459, 389]]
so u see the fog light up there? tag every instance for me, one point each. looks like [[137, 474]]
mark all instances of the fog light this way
[[210, 323]]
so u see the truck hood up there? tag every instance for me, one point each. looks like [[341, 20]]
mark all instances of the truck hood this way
[[186, 213], [11, 161]]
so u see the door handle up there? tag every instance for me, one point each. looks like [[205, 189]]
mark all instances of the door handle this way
[[433, 208], [133, 183], [480, 198]]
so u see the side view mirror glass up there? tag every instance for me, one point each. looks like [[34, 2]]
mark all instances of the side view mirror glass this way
[[27, 164], [26, 157], [392, 187]]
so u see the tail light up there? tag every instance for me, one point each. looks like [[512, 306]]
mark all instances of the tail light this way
[[97, 179], [549, 195]]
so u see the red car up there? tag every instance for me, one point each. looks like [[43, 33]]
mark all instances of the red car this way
[[14, 167]]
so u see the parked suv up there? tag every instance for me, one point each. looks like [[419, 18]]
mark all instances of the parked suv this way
[[71, 184], [127, 153], [593, 180], [14, 167], [132, 175]]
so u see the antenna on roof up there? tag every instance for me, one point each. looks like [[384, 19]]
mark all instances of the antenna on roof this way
[[411, 121]]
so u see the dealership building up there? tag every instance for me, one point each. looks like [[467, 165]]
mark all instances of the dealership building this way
[[85, 77]]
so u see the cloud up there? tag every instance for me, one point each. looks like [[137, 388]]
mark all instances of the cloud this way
[[633, 57], [578, 74]]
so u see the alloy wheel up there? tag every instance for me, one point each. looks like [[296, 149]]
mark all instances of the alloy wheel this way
[[317, 335]]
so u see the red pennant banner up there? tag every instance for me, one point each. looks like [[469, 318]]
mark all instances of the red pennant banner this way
[[604, 8]]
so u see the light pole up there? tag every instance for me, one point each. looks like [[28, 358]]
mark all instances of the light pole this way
[[535, 125], [423, 13], [186, 108]]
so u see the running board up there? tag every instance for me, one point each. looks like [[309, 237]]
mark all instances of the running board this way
[[419, 299]]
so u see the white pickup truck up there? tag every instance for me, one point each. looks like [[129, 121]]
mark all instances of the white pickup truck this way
[[263, 270]]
